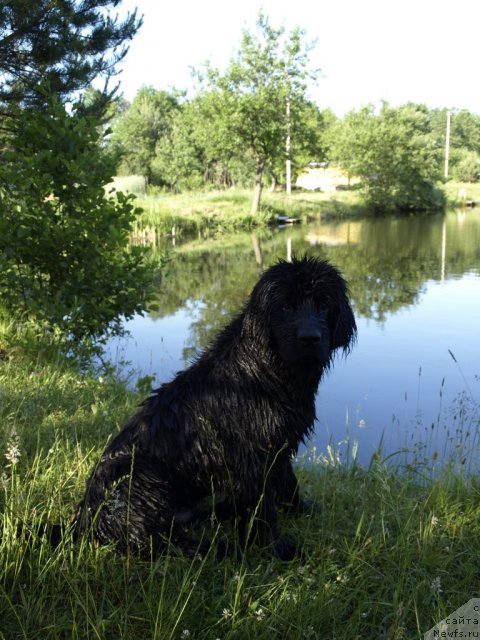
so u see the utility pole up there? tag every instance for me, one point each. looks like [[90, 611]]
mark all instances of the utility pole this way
[[447, 143], [288, 167]]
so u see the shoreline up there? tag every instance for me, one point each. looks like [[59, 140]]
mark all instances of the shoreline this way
[[228, 211]]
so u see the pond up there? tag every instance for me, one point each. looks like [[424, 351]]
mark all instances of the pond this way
[[409, 388]]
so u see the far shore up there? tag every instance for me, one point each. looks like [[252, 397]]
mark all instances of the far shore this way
[[229, 210]]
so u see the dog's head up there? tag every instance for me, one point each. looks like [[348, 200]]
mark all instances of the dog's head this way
[[301, 310]]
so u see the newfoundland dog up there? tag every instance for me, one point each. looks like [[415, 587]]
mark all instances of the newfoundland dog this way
[[226, 428]]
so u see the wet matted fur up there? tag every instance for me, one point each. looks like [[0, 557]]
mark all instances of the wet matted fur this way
[[230, 423]]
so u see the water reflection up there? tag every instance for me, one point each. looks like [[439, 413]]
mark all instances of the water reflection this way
[[415, 287]]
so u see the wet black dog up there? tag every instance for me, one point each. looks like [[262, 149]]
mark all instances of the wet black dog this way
[[230, 423]]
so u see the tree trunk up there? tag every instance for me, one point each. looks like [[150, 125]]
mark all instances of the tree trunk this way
[[257, 194]]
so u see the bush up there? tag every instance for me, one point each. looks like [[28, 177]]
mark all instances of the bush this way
[[465, 165], [64, 242], [394, 156]]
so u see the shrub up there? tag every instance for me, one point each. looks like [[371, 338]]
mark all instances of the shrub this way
[[64, 242]]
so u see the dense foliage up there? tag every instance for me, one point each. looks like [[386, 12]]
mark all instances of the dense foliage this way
[[253, 123], [148, 121], [253, 104], [394, 155], [235, 129], [398, 153], [64, 242], [60, 45]]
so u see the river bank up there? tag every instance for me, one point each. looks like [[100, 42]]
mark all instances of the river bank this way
[[228, 210], [383, 555]]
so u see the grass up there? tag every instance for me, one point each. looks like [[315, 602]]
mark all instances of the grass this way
[[385, 555], [458, 193], [207, 212], [202, 212]]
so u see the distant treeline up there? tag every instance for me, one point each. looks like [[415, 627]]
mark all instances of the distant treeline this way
[[178, 144]]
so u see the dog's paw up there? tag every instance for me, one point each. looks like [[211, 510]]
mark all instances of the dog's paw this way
[[285, 549]]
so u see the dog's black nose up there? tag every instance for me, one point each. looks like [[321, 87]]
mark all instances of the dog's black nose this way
[[309, 336]]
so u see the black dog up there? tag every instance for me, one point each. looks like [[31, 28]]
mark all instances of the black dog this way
[[230, 423]]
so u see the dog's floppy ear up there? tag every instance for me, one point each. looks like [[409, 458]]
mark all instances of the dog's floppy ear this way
[[257, 313], [344, 329]]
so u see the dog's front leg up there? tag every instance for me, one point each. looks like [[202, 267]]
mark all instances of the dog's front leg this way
[[286, 485], [265, 525], [287, 489]]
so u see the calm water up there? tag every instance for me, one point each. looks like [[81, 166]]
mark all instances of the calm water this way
[[415, 288]]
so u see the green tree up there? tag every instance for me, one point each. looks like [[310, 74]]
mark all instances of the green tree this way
[[308, 141], [66, 263], [178, 158], [465, 129], [464, 148], [61, 45], [224, 161], [138, 130], [64, 244], [253, 103], [394, 154], [464, 165]]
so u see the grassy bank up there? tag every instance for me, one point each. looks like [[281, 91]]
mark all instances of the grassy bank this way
[[383, 556], [459, 194], [229, 210]]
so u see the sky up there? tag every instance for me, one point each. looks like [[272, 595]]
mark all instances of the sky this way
[[424, 51]]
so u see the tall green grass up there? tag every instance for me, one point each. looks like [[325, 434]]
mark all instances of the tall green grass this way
[[384, 555], [207, 212], [227, 211]]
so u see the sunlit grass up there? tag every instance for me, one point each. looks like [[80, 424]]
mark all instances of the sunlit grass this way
[[229, 210], [384, 555], [462, 193], [200, 212]]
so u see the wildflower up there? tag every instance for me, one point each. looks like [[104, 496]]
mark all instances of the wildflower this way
[[260, 614], [435, 585], [434, 521], [226, 614], [185, 633], [13, 449]]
